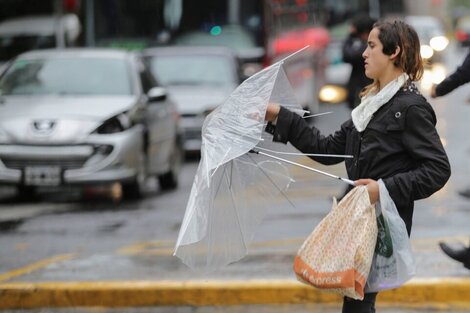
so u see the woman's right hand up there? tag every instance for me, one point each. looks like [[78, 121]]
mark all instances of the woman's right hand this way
[[272, 111]]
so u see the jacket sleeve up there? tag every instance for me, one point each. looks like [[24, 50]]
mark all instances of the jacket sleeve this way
[[422, 142], [308, 139], [458, 78]]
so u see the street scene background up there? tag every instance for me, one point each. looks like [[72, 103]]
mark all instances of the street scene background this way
[[75, 234]]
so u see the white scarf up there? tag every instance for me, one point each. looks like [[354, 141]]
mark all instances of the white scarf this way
[[371, 102]]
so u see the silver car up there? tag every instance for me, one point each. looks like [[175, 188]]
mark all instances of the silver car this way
[[86, 117], [431, 35], [198, 79]]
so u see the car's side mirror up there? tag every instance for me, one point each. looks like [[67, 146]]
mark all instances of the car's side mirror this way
[[157, 94]]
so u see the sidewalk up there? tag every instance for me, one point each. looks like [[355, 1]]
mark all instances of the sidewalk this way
[[442, 292]]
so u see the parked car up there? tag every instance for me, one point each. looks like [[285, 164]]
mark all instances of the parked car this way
[[462, 31], [198, 79], [431, 36], [21, 34], [86, 117]]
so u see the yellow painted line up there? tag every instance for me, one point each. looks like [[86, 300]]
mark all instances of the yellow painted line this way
[[161, 247], [462, 238], [431, 290], [141, 247], [35, 266], [419, 292], [166, 247], [161, 252], [277, 243]]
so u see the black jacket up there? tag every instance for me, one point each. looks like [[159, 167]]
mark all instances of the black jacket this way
[[459, 77], [353, 48], [399, 145]]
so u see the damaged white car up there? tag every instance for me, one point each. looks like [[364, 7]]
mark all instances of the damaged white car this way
[[86, 117]]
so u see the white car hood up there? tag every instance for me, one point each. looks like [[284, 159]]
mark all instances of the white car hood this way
[[58, 119], [195, 100]]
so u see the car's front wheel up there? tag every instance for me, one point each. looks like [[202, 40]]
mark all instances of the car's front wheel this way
[[134, 188], [169, 180]]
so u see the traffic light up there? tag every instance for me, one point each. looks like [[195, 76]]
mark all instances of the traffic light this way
[[71, 5]]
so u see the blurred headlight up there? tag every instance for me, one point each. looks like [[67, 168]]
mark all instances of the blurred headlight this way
[[332, 94], [426, 80], [439, 43], [426, 52], [433, 75], [115, 124], [439, 73]]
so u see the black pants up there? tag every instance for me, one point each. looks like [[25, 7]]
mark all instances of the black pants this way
[[357, 306]]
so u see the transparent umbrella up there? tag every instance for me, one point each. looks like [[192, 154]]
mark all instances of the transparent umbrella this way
[[233, 188]]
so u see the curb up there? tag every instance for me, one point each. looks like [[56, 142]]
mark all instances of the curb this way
[[17, 295]]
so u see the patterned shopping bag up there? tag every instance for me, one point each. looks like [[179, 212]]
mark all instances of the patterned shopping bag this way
[[337, 255]]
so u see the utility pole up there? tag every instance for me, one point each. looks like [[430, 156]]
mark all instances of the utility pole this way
[[233, 12], [90, 23], [374, 9], [59, 28]]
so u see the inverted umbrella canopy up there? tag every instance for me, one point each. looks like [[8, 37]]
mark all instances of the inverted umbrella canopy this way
[[232, 188]]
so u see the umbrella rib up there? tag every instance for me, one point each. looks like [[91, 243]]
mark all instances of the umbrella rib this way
[[272, 182], [231, 175], [235, 207], [218, 187], [226, 153], [348, 181], [345, 156], [315, 115]]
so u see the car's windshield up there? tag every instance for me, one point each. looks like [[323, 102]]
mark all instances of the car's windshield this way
[[426, 29], [66, 76], [193, 70], [12, 45]]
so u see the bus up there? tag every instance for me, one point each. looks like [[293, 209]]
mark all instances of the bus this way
[[259, 31]]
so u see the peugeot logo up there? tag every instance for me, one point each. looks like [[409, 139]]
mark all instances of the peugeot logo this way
[[43, 127]]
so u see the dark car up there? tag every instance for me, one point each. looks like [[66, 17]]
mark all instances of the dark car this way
[[86, 117]]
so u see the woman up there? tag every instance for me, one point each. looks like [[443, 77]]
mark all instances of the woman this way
[[391, 134]]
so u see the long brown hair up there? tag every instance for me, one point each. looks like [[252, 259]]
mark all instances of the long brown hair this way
[[393, 34]]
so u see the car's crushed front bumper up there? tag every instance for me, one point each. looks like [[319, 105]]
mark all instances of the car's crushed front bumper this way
[[98, 160]]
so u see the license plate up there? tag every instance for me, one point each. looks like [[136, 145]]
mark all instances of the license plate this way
[[42, 176]]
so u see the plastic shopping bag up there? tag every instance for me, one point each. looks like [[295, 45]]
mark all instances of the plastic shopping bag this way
[[337, 255], [393, 262]]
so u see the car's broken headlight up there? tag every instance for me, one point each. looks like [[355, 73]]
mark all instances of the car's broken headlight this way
[[115, 124]]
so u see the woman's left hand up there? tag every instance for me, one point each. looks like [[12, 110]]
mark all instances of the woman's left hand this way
[[372, 188]]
